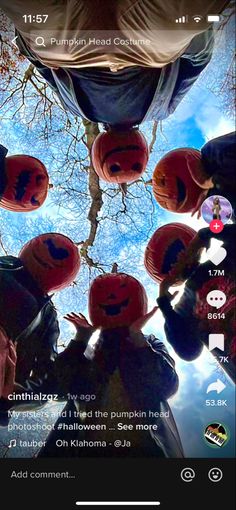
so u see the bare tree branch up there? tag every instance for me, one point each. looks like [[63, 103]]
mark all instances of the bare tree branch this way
[[154, 136], [2, 245], [91, 132]]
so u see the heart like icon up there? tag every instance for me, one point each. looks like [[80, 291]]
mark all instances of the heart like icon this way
[[218, 256]]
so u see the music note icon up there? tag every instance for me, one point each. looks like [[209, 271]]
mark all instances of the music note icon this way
[[12, 443]]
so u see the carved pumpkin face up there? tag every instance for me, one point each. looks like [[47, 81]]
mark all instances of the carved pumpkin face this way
[[23, 183], [120, 156], [52, 259], [116, 300], [164, 248], [173, 186]]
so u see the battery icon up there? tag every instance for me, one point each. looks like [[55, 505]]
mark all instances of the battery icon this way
[[213, 17]]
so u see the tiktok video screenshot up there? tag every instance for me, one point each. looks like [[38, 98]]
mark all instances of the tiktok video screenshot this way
[[117, 253]]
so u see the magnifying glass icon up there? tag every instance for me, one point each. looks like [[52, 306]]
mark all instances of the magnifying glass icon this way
[[40, 41]]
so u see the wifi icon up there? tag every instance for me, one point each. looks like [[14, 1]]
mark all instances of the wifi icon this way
[[197, 18]]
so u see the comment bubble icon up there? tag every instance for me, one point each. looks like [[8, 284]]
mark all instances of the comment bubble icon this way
[[216, 298]]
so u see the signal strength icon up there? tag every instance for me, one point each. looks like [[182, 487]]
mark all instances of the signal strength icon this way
[[182, 19], [197, 18]]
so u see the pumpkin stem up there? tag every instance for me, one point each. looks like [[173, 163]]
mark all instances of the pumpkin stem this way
[[123, 188], [148, 182], [114, 268]]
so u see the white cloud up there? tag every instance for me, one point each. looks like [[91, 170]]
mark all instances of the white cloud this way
[[212, 123]]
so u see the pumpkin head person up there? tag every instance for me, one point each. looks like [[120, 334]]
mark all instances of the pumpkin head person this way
[[165, 248], [117, 305], [173, 186], [24, 182], [184, 177], [52, 260], [120, 156], [116, 300], [48, 262], [189, 324], [123, 369]]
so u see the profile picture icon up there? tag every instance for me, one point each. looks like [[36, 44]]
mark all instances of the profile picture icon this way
[[216, 207]]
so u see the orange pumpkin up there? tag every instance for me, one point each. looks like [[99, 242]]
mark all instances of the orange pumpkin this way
[[173, 186], [52, 259], [24, 182], [116, 300], [120, 156], [164, 248]]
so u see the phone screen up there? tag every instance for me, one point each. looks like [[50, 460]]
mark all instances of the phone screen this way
[[117, 253]]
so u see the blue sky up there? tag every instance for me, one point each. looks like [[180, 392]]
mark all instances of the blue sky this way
[[202, 115]]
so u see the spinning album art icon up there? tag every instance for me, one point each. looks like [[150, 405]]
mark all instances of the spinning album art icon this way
[[216, 435]]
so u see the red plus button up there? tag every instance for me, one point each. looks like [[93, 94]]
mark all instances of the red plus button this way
[[216, 226]]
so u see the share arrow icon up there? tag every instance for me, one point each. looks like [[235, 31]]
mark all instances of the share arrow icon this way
[[218, 386]]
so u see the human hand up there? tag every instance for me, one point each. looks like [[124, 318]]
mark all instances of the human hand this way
[[187, 262], [84, 329], [199, 176], [141, 321], [164, 288], [197, 171], [197, 208], [136, 336]]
